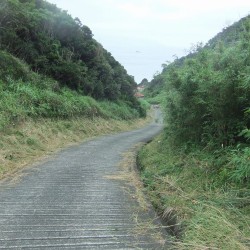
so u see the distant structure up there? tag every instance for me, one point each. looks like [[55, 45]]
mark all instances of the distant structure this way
[[139, 95], [138, 92], [140, 88]]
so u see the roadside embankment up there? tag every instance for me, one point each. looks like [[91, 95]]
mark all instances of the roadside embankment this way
[[32, 140], [199, 211]]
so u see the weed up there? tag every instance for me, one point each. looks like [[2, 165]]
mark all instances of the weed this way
[[187, 190]]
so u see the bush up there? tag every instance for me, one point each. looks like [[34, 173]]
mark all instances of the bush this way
[[239, 166]]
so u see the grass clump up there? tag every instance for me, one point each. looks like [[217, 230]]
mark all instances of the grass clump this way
[[205, 207]]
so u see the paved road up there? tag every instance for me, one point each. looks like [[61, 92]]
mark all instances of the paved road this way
[[68, 202]]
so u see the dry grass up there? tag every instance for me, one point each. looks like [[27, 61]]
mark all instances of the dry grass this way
[[31, 141], [207, 225], [210, 217], [134, 187], [127, 172]]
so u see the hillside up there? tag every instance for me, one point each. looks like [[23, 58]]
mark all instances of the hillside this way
[[197, 172], [52, 67], [54, 44], [227, 37], [58, 85], [231, 34], [210, 88]]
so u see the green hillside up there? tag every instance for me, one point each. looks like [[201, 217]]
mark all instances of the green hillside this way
[[198, 172], [52, 43], [231, 34], [58, 85], [226, 38], [51, 66]]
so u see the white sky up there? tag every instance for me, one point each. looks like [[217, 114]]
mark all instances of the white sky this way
[[144, 34]]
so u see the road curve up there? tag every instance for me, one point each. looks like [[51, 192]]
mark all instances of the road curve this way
[[68, 203]]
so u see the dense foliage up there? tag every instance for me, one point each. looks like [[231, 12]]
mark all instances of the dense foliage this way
[[207, 97], [197, 173], [154, 90], [26, 94], [231, 34], [56, 45]]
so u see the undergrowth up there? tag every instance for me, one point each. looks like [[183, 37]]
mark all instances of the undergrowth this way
[[25, 94], [205, 205], [21, 100]]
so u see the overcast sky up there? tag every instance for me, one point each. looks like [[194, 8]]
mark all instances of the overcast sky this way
[[144, 34]]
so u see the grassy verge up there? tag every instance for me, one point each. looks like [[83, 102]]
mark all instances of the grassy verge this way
[[200, 209], [31, 140], [38, 116]]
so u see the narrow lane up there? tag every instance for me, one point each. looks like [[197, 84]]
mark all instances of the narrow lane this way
[[68, 203]]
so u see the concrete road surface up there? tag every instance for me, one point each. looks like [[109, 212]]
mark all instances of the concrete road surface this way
[[68, 202]]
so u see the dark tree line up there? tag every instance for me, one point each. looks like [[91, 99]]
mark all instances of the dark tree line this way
[[56, 45]]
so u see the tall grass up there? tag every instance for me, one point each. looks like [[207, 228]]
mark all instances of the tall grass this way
[[205, 206], [38, 116], [145, 104], [21, 100], [26, 94]]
